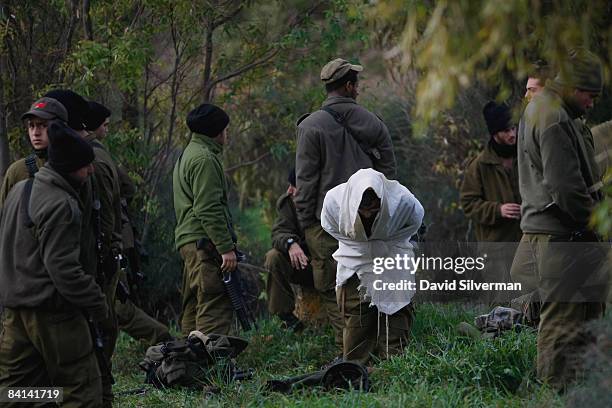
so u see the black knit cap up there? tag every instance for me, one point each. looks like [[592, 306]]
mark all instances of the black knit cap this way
[[96, 115], [207, 119], [497, 116], [67, 150], [74, 103]]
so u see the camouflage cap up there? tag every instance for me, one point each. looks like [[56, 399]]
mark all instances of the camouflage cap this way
[[47, 108], [336, 69]]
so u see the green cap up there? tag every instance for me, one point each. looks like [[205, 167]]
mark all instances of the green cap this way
[[336, 69], [47, 108], [582, 70]]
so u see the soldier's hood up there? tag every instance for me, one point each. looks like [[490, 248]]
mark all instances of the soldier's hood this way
[[47, 175]]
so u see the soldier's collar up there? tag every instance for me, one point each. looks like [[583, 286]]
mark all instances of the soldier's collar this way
[[331, 100], [208, 142], [489, 156]]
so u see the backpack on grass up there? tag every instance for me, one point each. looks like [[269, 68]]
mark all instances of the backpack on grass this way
[[195, 361]]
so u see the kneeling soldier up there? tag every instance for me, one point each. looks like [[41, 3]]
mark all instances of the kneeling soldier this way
[[47, 295], [287, 261]]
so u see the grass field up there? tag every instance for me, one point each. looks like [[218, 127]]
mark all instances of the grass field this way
[[440, 368]]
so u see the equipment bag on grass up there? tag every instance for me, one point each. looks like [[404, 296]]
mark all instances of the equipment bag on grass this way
[[195, 361]]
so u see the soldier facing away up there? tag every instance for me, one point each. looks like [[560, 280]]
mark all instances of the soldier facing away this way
[[332, 144], [101, 239]]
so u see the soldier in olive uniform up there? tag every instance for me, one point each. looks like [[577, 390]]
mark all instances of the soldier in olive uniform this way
[[37, 119], [47, 294], [102, 219], [559, 190], [372, 217], [332, 144], [490, 197], [287, 261], [204, 234], [132, 319]]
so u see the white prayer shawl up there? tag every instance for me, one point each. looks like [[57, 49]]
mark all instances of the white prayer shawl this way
[[397, 221]]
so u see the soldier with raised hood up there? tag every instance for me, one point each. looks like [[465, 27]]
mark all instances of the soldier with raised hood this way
[[332, 144], [47, 294]]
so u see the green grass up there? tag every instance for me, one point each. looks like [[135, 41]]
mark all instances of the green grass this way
[[440, 368]]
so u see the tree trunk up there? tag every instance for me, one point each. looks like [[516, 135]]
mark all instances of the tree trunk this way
[[87, 27], [129, 108], [4, 143]]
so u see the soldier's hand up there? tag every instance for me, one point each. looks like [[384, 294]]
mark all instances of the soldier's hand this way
[[229, 261], [511, 210], [298, 258]]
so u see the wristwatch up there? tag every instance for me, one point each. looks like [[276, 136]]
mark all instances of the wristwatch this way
[[290, 242]]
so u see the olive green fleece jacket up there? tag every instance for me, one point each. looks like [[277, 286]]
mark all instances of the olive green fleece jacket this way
[[200, 195], [487, 184], [106, 186], [40, 263], [16, 172], [286, 225], [551, 163]]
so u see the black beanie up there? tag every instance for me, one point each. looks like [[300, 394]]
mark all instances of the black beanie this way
[[67, 150], [74, 103], [498, 117], [207, 119], [96, 115], [291, 177]]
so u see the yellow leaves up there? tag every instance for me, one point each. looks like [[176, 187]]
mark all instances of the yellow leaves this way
[[452, 43]]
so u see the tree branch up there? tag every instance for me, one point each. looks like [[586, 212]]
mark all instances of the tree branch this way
[[227, 18], [249, 163], [247, 67]]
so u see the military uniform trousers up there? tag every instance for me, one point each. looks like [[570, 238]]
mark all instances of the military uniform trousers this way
[[110, 333], [367, 332], [281, 298], [137, 323], [206, 305], [43, 348], [322, 246], [572, 283]]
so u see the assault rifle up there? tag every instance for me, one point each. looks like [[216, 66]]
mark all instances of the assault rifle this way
[[98, 340], [233, 285]]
